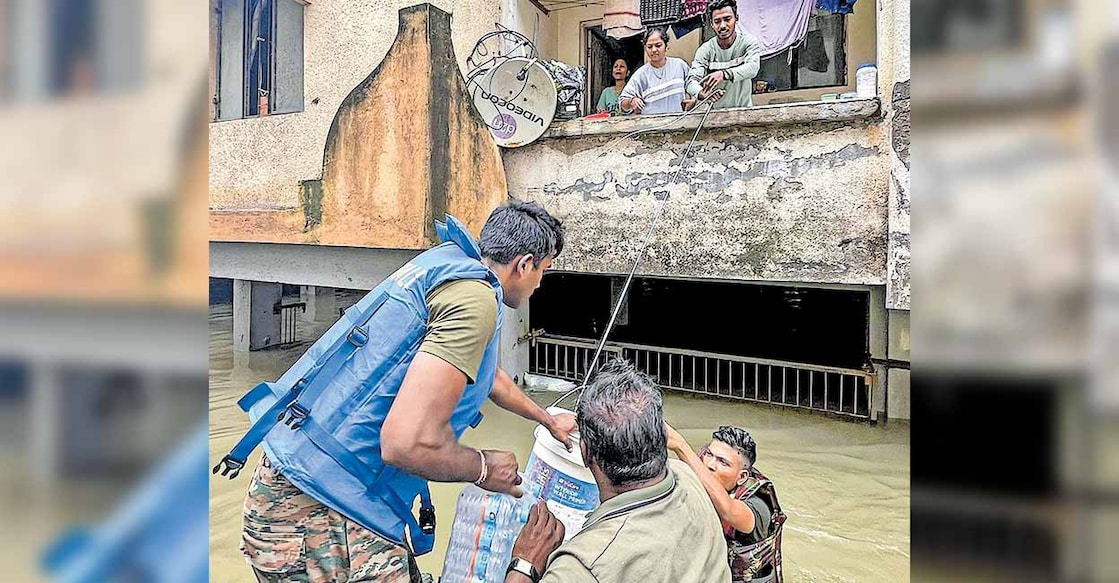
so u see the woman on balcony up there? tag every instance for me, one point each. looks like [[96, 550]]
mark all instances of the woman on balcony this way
[[658, 85], [608, 100]]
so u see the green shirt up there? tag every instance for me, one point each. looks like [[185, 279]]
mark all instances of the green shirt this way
[[664, 533], [741, 61], [461, 318], [608, 101]]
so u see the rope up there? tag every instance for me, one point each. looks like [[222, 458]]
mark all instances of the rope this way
[[480, 69], [647, 240]]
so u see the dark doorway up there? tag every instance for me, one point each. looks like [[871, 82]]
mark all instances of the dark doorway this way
[[600, 52], [983, 437], [794, 324]]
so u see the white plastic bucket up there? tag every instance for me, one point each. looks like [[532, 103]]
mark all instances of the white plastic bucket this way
[[559, 477]]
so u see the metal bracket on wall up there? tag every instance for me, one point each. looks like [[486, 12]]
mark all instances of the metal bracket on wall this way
[[530, 337]]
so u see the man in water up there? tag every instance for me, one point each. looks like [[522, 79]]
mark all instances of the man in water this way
[[744, 499], [724, 67], [654, 524]]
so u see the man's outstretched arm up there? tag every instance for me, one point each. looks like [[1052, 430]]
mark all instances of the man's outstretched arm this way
[[416, 435], [507, 395], [734, 512]]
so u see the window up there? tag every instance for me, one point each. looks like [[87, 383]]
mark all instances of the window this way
[[820, 61], [968, 25], [67, 48], [256, 53]]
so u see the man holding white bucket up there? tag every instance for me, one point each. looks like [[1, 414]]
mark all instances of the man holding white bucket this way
[[375, 408], [655, 523]]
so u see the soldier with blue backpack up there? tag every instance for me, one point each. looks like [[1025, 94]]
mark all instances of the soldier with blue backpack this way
[[374, 409]]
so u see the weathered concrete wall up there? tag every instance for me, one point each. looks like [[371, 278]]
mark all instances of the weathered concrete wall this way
[[394, 161], [893, 87], [256, 164], [1006, 211], [318, 265], [802, 203], [523, 17]]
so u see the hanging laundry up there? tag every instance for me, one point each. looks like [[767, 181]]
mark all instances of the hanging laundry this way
[[836, 6], [777, 24], [814, 55], [660, 12], [693, 8], [687, 26], [622, 18]]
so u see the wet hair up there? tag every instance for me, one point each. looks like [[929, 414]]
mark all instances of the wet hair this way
[[621, 420], [739, 439], [714, 5], [662, 31], [520, 228]]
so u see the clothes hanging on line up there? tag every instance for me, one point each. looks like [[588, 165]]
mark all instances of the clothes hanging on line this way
[[684, 27], [777, 24], [836, 6], [693, 8], [814, 54], [660, 12]]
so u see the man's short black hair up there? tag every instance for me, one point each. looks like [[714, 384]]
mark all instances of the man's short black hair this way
[[739, 439], [521, 228], [714, 5]]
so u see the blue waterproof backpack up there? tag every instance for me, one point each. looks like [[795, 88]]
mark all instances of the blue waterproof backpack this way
[[320, 423]]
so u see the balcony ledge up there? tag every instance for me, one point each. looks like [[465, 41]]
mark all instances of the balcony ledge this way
[[761, 116]]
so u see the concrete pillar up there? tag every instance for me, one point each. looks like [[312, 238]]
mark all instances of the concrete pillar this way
[[45, 427], [242, 304], [514, 356], [255, 326], [320, 302], [30, 50], [1099, 517], [616, 285], [898, 400], [878, 343]]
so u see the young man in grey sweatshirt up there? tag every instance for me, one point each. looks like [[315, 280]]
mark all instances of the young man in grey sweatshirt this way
[[725, 65]]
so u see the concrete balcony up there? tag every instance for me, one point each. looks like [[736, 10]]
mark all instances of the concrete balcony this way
[[789, 193]]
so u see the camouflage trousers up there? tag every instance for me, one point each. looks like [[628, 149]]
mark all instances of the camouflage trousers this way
[[288, 536]]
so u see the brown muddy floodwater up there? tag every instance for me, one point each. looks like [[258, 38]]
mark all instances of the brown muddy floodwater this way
[[844, 485]]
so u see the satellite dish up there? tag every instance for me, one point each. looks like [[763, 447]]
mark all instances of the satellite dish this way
[[517, 99]]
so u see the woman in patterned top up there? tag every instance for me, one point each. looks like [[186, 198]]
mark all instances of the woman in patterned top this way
[[658, 85]]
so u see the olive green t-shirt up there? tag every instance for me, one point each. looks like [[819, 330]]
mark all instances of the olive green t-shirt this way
[[460, 323]]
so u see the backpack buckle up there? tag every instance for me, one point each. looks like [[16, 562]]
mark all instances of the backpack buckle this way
[[294, 416], [427, 520], [229, 466], [357, 337]]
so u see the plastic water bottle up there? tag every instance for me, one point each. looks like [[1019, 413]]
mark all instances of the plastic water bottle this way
[[486, 526], [866, 80]]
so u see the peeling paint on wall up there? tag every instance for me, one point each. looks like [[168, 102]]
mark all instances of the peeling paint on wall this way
[[311, 197], [900, 127], [897, 287], [802, 203]]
